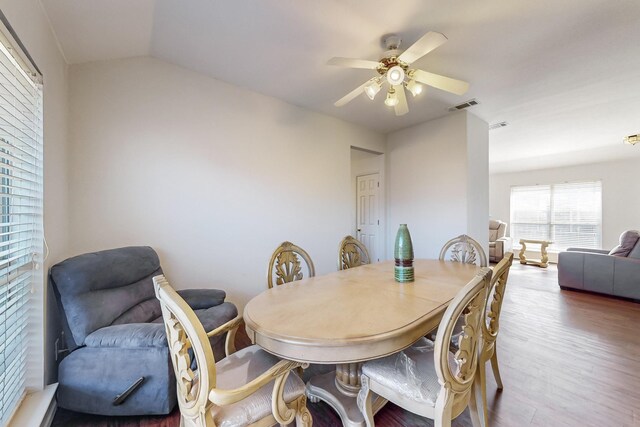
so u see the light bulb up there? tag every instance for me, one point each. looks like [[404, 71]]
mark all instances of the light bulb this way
[[372, 89], [395, 75], [414, 87], [392, 99]]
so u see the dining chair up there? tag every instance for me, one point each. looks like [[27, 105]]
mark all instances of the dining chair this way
[[464, 249], [249, 387], [428, 379], [490, 328], [285, 264], [352, 253]]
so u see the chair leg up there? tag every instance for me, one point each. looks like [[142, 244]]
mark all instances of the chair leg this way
[[303, 416], [442, 415], [481, 384], [477, 419], [496, 370], [364, 402]]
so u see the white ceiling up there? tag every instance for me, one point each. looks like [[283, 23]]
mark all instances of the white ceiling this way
[[564, 74]]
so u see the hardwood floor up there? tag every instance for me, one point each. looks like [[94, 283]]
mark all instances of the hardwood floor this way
[[566, 358]]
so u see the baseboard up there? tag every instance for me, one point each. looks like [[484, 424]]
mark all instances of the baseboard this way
[[37, 409]]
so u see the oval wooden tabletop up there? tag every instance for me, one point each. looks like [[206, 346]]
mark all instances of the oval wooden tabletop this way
[[356, 314]]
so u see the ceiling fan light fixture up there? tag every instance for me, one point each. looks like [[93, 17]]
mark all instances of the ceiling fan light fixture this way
[[395, 75], [372, 89], [392, 99], [395, 68], [414, 87]]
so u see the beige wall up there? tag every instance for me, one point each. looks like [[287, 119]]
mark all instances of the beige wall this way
[[211, 175], [32, 27], [620, 189], [437, 182]]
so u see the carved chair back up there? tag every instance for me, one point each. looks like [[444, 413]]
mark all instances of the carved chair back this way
[[464, 249], [185, 332], [495, 296], [285, 265], [470, 304], [352, 253]]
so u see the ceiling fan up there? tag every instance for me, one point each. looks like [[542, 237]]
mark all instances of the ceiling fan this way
[[395, 69]]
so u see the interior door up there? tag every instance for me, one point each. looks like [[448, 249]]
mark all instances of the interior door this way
[[367, 211]]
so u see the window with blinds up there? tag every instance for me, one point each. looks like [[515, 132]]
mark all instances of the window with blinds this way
[[21, 233], [568, 214]]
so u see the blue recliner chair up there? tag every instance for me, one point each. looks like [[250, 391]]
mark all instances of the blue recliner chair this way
[[119, 361]]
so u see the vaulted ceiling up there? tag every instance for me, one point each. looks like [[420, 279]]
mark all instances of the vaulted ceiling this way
[[564, 74]]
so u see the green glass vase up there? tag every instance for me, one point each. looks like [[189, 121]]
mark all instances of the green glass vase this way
[[403, 254]]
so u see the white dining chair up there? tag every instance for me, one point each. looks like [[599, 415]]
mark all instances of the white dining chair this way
[[247, 388], [426, 378], [490, 328], [285, 265], [464, 249], [352, 253]]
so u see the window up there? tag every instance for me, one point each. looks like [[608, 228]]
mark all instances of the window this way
[[568, 214], [21, 233]]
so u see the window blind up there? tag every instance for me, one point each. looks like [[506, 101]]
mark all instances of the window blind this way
[[568, 214], [20, 218]]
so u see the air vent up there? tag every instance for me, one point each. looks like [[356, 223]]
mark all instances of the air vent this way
[[467, 104], [498, 125]]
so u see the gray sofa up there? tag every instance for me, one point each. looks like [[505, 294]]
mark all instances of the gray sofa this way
[[113, 328], [595, 270]]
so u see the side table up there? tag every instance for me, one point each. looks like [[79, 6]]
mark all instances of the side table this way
[[544, 258]]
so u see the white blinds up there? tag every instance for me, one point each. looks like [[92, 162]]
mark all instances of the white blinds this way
[[20, 218], [568, 214]]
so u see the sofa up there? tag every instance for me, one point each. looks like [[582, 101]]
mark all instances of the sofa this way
[[118, 361], [615, 272], [499, 243]]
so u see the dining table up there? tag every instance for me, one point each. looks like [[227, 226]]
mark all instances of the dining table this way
[[347, 317]]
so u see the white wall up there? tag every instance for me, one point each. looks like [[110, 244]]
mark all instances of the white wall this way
[[478, 180], [211, 175], [32, 27], [437, 182], [620, 190]]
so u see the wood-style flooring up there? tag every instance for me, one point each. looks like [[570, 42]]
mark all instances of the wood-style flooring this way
[[566, 358]]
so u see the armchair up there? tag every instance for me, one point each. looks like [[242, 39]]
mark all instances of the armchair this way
[[119, 360], [499, 243]]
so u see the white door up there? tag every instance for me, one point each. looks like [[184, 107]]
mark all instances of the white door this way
[[368, 220]]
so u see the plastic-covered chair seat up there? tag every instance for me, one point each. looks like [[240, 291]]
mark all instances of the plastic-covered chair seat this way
[[241, 368]]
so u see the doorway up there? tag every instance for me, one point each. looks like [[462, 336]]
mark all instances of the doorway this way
[[367, 171]]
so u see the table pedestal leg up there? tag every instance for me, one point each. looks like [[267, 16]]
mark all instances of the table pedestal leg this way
[[339, 390]]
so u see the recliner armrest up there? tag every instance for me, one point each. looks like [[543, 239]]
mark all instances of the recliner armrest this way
[[202, 298], [131, 335], [507, 244], [592, 271], [590, 251]]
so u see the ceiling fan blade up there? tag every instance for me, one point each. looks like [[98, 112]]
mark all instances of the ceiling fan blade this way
[[424, 45], [351, 95], [440, 82], [401, 107], [354, 63]]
